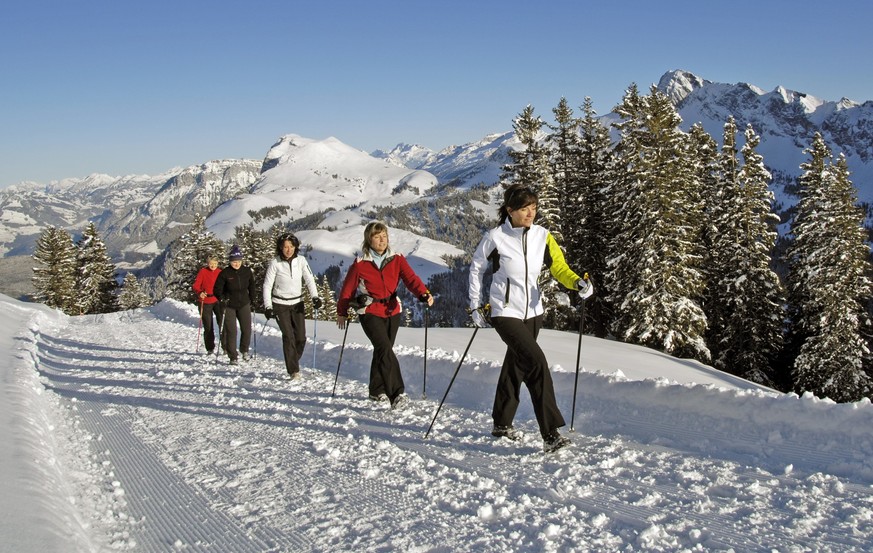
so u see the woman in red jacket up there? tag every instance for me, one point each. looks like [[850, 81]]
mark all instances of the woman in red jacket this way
[[203, 288], [372, 283]]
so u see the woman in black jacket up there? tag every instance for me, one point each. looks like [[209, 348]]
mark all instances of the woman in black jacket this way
[[235, 289]]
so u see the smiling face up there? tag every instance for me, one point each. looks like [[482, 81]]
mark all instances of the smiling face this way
[[379, 242], [523, 217], [236, 263], [288, 249], [212, 263]]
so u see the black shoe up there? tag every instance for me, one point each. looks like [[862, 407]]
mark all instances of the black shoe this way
[[379, 397], [506, 432], [554, 442], [234, 362]]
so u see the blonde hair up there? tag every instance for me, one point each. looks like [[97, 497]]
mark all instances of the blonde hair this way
[[370, 230]]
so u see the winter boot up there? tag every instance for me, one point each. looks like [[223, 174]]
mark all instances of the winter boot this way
[[400, 402], [554, 441], [506, 432]]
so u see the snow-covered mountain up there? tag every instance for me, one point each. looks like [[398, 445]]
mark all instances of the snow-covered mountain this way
[[785, 119], [459, 166], [339, 185], [137, 215]]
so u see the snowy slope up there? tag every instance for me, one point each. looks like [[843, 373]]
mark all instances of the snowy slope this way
[[121, 437], [305, 176]]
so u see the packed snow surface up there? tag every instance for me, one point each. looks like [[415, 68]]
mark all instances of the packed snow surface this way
[[119, 435]]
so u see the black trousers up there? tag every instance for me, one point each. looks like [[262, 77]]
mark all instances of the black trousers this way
[[228, 330], [208, 328], [524, 362], [385, 377], [292, 323]]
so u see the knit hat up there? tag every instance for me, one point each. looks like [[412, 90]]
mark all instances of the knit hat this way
[[235, 253]]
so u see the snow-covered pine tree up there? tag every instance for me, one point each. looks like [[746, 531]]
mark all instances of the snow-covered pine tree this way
[[95, 274], [722, 236], [132, 295], [745, 296], [258, 247], [829, 282], [527, 165], [54, 278], [328, 305], [188, 254], [588, 235], [655, 274], [554, 200]]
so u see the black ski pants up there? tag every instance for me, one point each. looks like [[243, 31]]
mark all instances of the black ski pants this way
[[292, 323], [524, 362], [208, 328], [385, 377], [228, 331]]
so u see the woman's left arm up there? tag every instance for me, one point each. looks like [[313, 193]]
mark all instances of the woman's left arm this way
[[558, 266]]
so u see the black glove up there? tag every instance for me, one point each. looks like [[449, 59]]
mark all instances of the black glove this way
[[424, 297], [268, 313], [316, 302]]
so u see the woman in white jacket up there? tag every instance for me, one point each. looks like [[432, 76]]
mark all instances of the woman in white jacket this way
[[283, 298], [517, 250]]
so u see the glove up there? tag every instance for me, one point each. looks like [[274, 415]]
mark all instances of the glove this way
[[586, 289], [424, 297], [479, 319], [268, 313], [316, 302]]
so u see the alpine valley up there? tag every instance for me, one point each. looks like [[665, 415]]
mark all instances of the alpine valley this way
[[329, 188]]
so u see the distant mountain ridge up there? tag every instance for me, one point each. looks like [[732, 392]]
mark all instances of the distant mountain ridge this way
[[139, 215]]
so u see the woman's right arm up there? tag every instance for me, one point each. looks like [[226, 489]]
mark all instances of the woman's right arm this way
[[345, 296], [477, 270], [269, 279]]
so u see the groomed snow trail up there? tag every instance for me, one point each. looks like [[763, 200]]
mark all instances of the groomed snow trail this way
[[203, 456]]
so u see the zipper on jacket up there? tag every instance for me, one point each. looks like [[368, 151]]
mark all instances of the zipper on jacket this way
[[526, 281]]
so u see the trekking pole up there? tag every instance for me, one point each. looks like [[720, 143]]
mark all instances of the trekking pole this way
[[578, 356], [452, 381], [314, 337], [424, 382], [199, 327], [346, 333], [263, 328]]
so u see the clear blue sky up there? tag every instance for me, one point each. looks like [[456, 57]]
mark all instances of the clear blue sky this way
[[123, 87]]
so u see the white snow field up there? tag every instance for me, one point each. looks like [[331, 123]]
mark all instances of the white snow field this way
[[118, 436]]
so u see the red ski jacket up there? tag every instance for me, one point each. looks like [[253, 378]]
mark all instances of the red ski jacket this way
[[380, 284], [205, 282]]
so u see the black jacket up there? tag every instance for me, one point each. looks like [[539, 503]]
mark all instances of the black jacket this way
[[235, 287]]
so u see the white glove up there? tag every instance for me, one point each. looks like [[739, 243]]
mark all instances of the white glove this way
[[479, 319], [586, 289]]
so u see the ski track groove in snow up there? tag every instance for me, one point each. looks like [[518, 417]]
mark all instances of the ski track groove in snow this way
[[249, 452], [153, 492]]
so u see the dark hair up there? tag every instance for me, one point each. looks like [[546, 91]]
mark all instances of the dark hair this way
[[287, 237], [516, 196]]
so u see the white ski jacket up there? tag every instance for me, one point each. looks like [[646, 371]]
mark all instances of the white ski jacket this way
[[517, 255], [283, 282]]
